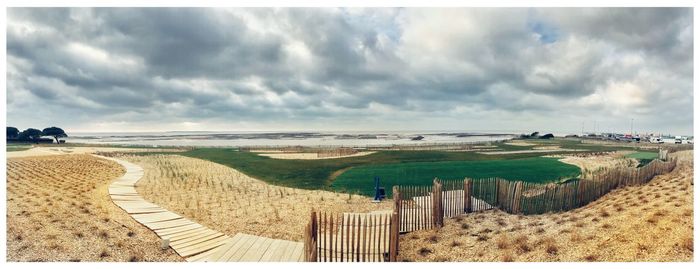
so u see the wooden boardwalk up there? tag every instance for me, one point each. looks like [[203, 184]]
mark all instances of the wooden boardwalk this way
[[191, 240]]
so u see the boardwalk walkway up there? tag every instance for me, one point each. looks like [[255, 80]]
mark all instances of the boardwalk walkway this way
[[189, 239]]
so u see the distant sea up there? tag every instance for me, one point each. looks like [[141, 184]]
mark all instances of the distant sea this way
[[233, 139]]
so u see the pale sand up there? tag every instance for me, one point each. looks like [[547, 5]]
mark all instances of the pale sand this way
[[520, 143], [58, 209], [311, 156], [528, 151], [547, 147], [48, 151], [653, 222], [592, 164]]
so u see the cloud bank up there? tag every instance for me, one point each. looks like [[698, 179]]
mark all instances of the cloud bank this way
[[154, 69]]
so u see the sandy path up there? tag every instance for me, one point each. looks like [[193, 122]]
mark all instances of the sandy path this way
[[528, 151], [311, 156], [520, 143], [48, 151], [653, 222]]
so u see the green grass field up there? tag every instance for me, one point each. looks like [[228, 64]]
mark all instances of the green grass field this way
[[643, 155], [17, 147], [538, 169], [319, 174]]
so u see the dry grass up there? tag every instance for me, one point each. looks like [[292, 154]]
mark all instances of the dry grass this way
[[593, 164], [58, 210], [617, 227], [228, 201]]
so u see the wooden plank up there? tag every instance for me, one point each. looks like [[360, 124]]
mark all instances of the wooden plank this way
[[277, 255], [239, 249], [201, 247], [288, 251], [228, 246], [202, 257], [255, 253], [190, 235], [171, 231], [190, 241], [136, 211], [298, 255], [156, 217], [225, 251], [168, 224], [203, 231], [269, 253]]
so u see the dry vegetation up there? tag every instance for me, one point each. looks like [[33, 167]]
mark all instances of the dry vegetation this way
[[228, 201], [593, 164], [58, 210], [653, 222]]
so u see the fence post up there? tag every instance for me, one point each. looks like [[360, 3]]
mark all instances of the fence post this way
[[394, 237], [467, 195], [396, 193], [517, 196], [438, 212], [310, 239]]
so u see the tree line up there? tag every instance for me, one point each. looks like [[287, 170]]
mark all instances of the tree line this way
[[34, 135]]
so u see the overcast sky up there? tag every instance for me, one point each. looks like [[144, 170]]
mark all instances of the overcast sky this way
[[162, 69]]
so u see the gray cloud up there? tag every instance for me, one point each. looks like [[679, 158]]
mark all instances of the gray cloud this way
[[159, 68]]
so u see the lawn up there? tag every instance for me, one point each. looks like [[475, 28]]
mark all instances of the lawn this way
[[17, 147], [319, 174], [537, 169], [643, 155]]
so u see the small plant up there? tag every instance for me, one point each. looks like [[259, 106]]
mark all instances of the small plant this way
[[551, 248], [502, 242], [591, 257], [433, 239], [104, 254], [507, 257], [688, 244]]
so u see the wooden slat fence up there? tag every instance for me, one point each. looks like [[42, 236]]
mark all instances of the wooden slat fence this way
[[351, 237], [424, 207], [374, 237]]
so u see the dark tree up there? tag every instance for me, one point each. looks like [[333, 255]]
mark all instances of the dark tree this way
[[30, 134], [12, 132], [55, 132], [547, 136]]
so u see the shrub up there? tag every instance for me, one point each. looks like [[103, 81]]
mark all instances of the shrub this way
[[424, 251], [502, 242]]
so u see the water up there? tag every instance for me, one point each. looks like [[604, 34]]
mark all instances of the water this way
[[234, 139]]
